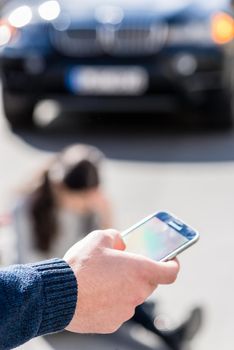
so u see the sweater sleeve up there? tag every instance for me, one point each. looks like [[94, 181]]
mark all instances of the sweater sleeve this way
[[35, 299]]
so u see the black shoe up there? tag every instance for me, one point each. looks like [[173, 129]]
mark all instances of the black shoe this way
[[174, 338]]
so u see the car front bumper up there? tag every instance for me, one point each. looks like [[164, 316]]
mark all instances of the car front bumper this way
[[168, 86]]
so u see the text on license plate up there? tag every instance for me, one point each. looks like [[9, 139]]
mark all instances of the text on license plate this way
[[88, 80]]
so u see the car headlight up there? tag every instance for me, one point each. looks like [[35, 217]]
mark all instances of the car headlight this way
[[190, 33], [222, 28], [6, 32], [219, 29], [20, 17], [49, 10]]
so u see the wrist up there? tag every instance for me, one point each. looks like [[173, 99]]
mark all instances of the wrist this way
[[60, 295]]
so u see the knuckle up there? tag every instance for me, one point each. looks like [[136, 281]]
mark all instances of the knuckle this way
[[152, 283], [130, 313], [95, 234], [106, 238], [148, 280], [113, 328], [126, 314], [102, 236], [109, 235], [139, 299]]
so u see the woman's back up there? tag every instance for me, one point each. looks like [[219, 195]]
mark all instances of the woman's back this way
[[71, 228]]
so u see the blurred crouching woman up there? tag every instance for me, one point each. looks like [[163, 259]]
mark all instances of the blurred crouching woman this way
[[65, 204]]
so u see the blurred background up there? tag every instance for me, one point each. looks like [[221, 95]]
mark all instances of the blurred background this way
[[151, 85]]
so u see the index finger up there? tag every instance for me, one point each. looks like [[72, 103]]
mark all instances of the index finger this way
[[161, 272], [153, 271], [168, 271]]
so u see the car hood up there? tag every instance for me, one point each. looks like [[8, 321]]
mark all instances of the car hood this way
[[166, 6], [80, 10]]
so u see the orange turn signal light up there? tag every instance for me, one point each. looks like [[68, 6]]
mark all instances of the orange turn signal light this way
[[222, 26]]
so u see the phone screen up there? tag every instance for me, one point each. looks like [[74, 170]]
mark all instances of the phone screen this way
[[156, 238]]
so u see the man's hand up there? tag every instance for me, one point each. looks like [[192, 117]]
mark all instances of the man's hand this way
[[111, 282]]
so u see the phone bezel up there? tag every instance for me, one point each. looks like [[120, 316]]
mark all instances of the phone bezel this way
[[175, 220]]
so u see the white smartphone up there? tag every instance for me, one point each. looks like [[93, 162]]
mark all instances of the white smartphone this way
[[160, 236]]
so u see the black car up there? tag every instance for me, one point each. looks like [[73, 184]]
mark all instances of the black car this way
[[118, 55]]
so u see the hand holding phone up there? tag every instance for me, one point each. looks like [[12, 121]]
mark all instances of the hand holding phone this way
[[160, 236]]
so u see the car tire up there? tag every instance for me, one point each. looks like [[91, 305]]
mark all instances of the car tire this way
[[18, 109], [218, 111]]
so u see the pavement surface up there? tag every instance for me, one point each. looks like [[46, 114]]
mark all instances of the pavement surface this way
[[151, 165]]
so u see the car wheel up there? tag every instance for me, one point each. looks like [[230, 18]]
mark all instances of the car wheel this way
[[18, 109], [218, 111]]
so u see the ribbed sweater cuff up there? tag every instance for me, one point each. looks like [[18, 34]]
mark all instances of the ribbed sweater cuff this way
[[60, 295]]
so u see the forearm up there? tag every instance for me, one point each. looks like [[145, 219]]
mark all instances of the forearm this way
[[35, 299]]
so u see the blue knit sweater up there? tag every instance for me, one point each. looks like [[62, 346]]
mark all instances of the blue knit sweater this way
[[35, 299]]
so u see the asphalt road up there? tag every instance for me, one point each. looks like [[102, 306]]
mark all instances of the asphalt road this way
[[152, 164]]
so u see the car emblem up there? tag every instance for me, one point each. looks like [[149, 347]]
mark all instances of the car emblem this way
[[112, 15]]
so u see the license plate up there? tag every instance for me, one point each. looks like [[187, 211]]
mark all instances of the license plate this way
[[88, 80]]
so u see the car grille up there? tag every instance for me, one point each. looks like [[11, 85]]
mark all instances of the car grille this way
[[127, 40], [140, 41], [76, 42]]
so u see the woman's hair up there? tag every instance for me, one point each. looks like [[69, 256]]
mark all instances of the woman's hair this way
[[75, 168]]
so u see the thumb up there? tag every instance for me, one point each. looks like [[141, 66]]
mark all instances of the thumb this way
[[119, 243]]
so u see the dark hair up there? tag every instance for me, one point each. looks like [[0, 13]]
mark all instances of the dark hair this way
[[76, 168]]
